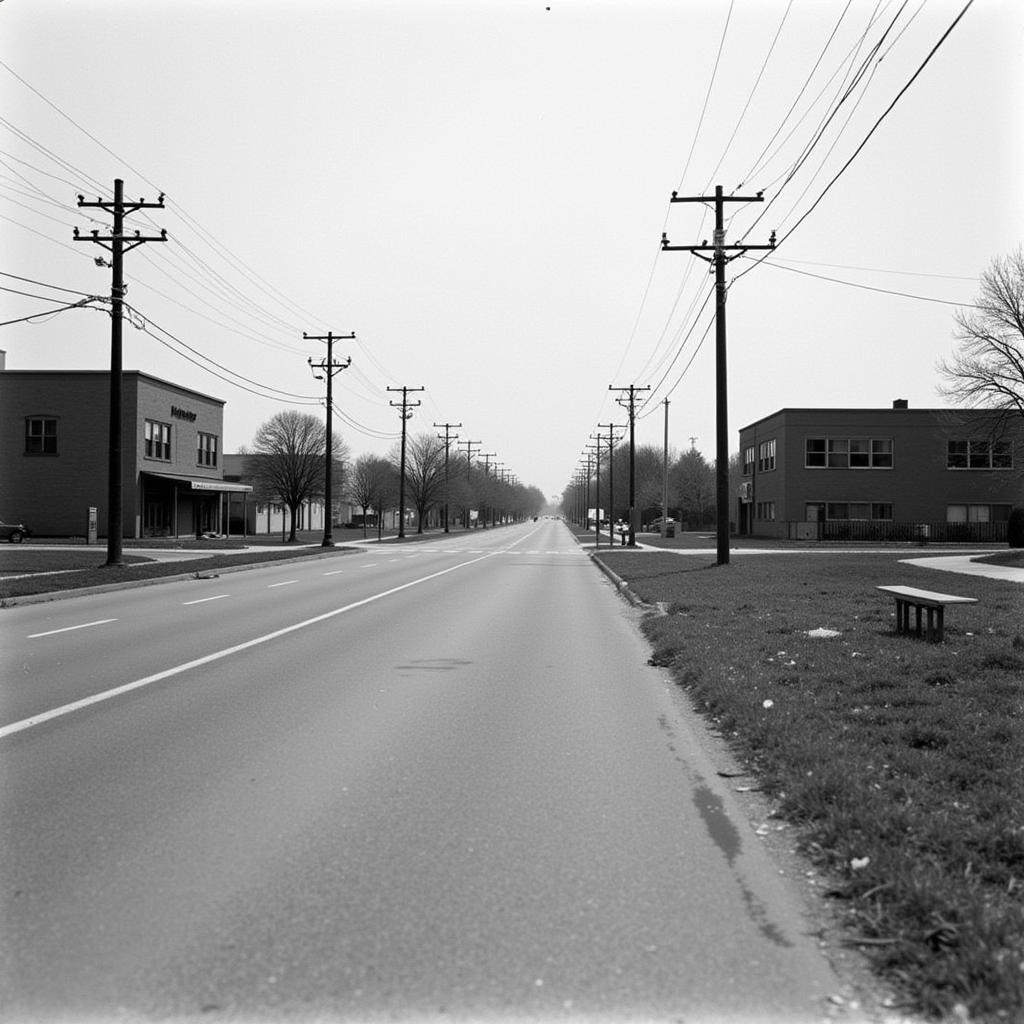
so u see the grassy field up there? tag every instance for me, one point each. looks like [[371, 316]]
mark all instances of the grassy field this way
[[902, 762]]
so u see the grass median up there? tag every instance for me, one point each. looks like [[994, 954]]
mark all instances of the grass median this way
[[28, 571], [902, 762]]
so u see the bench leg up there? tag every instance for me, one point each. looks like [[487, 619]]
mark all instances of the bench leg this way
[[939, 613], [917, 609]]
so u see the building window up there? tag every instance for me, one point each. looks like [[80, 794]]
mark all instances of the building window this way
[[862, 511], [766, 510], [158, 440], [206, 449], [748, 461], [766, 456], [41, 435], [979, 455], [848, 453], [978, 513]]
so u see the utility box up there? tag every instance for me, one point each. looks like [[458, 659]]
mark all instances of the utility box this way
[[90, 527]]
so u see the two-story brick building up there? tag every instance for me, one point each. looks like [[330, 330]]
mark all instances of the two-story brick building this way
[[896, 473], [54, 454]]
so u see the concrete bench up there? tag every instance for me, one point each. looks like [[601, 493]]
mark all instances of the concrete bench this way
[[932, 603]]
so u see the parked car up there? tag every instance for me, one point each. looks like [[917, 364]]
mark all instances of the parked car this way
[[14, 532]]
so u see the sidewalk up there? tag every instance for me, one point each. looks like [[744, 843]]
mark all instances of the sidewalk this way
[[948, 561]]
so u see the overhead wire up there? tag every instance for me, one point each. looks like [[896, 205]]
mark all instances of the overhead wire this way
[[868, 287], [842, 170], [750, 96]]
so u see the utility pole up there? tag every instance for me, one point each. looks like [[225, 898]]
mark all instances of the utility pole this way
[[631, 405], [330, 368], [664, 484], [448, 438], [470, 445], [486, 456], [596, 448], [406, 414], [117, 244], [718, 261], [612, 439]]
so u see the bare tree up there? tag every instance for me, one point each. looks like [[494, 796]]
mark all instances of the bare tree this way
[[424, 474], [372, 484], [988, 367], [287, 460]]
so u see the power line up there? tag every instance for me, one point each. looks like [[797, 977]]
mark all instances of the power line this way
[[867, 287]]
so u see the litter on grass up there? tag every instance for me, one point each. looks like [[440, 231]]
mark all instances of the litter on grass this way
[[822, 633]]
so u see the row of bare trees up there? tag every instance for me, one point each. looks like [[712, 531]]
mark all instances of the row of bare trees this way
[[286, 464], [691, 486]]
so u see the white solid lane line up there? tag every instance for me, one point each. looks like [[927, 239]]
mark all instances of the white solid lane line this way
[[67, 629]]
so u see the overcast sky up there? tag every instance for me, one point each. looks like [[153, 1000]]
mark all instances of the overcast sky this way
[[478, 190]]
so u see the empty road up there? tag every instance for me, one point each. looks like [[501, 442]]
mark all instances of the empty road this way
[[414, 782]]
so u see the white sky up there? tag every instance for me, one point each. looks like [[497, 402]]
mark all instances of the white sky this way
[[478, 190]]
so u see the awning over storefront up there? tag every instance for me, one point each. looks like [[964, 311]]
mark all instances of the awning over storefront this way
[[222, 486]]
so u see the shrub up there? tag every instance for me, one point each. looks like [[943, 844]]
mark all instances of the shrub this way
[[1015, 528]]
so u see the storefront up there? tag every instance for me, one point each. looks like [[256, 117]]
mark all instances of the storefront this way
[[178, 506]]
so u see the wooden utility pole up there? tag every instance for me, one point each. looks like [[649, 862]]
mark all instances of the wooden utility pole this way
[[330, 368], [117, 244], [630, 404], [612, 441], [406, 414], [664, 484], [718, 259], [448, 438]]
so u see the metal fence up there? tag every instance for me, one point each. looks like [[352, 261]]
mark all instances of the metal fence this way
[[920, 533]]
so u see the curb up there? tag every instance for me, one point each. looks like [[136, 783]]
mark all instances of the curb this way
[[617, 581]]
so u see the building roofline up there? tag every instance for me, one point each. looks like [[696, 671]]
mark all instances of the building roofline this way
[[106, 373], [876, 410]]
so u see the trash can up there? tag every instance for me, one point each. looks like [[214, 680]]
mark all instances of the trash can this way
[[670, 529]]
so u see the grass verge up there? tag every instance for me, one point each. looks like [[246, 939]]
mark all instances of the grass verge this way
[[902, 762]]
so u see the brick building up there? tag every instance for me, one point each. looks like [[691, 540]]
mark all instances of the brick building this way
[[54, 455], [899, 473]]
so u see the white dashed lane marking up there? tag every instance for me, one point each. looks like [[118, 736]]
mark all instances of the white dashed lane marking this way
[[68, 629]]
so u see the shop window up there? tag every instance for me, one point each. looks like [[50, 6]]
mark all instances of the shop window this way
[[158, 440], [41, 435], [206, 449]]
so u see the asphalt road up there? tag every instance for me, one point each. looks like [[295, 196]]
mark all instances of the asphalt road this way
[[436, 781]]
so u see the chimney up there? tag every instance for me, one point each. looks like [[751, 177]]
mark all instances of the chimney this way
[[900, 403]]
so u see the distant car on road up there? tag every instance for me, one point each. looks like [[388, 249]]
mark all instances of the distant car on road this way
[[14, 532]]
